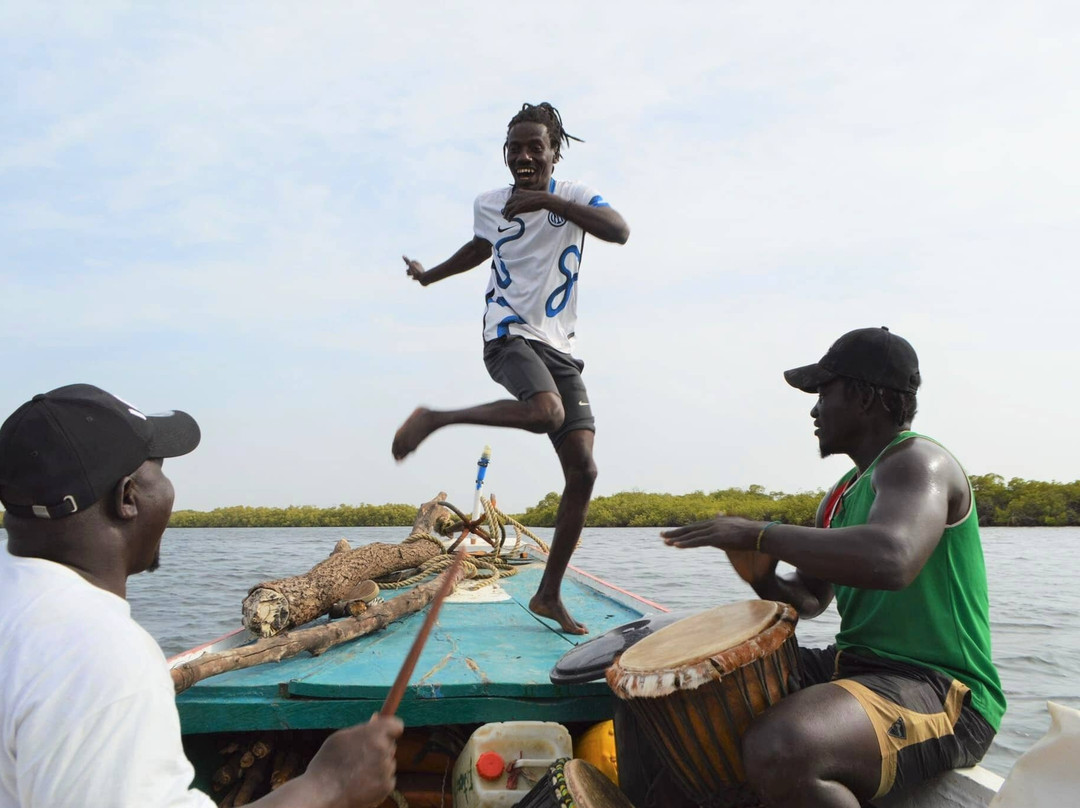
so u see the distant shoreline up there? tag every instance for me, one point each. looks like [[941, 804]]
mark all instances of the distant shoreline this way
[[1001, 503]]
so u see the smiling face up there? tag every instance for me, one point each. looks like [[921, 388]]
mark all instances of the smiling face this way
[[530, 156]]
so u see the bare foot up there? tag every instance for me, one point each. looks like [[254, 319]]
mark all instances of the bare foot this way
[[411, 433], [554, 610]]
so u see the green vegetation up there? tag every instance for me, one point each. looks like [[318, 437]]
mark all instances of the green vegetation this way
[[1016, 503], [637, 509], [1026, 503], [298, 516]]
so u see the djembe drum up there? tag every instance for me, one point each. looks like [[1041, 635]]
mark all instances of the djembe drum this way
[[696, 685], [572, 783]]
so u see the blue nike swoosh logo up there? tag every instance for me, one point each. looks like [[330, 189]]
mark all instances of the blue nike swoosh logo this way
[[504, 229]]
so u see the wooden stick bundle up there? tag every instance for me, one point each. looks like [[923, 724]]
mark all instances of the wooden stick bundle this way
[[314, 640]]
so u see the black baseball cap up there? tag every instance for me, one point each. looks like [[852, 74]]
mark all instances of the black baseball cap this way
[[874, 355], [64, 450]]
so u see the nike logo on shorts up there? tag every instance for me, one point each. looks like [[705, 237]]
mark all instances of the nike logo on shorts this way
[[583, 403]]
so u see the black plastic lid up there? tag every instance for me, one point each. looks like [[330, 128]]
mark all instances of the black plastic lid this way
[[589, 660]]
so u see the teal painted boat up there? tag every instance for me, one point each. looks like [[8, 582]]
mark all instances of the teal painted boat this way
[[488, 659]]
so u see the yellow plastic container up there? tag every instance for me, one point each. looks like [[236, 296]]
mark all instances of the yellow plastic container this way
[[524, 750], [597, 746]]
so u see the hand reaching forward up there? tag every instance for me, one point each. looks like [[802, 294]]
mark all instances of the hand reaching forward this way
[[723, 532], [732, 534]]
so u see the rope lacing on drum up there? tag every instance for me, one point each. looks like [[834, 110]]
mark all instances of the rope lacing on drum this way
[[485, 568]]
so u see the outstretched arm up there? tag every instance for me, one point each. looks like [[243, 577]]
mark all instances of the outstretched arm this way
[[602, 221], [918, 485], [472, 254]]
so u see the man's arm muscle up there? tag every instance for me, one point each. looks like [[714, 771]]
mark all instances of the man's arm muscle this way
[[603, 221], [913, 486]]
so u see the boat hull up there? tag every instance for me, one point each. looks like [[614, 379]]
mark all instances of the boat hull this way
[[488, 659]]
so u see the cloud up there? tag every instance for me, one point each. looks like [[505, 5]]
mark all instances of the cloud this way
[[210, 203]]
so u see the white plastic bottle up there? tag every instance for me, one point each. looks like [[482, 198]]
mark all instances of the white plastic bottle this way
[[501, 762]]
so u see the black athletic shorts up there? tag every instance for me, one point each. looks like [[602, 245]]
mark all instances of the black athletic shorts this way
[[923, 719], [526, 367]]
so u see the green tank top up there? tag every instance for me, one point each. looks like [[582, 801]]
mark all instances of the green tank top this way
[[941, 620]]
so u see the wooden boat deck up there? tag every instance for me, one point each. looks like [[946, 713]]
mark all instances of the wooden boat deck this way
[[484, 661]]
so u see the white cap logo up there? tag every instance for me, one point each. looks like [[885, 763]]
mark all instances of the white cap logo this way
[[131, 408]]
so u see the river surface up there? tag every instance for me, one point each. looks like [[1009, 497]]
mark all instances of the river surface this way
[[205, 574]]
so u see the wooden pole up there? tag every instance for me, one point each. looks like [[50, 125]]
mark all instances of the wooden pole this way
[[397, 690], [314, 640]]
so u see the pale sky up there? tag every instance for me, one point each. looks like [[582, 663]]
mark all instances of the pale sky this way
[[203, 206]]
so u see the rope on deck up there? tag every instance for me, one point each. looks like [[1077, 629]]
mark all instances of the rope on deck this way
[[486, 568]]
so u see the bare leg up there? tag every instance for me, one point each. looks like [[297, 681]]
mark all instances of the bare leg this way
[[579, 471], [814, 749], [542, 413]]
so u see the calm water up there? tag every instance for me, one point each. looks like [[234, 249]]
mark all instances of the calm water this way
[[206, 573]]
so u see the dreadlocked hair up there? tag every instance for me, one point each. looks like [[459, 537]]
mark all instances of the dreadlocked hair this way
[[900, 404], [549, 116]]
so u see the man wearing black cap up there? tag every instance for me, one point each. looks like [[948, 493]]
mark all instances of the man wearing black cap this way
[[909, 688], [87, 707]]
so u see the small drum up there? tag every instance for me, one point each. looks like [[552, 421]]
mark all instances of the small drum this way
[[697, 684], [572, 783]]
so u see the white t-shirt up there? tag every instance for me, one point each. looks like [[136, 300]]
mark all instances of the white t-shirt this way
[[534, 266], [87, 708]]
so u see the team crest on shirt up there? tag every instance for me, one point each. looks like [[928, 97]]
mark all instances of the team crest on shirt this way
[[555, 220]]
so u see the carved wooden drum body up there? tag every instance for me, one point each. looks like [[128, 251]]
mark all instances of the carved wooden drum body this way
[[574, 784], [697, 684]]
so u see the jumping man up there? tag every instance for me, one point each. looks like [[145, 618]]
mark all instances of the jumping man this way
[[532, 232]]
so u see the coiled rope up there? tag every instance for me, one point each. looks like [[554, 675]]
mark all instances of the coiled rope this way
[[485, 568]]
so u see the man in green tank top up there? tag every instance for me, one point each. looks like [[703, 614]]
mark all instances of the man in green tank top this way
[[909, 688]]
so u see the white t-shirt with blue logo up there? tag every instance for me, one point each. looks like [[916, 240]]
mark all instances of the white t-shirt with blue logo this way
[[535, 259]]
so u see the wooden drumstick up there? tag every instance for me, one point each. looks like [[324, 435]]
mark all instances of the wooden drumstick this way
[[397, 690]]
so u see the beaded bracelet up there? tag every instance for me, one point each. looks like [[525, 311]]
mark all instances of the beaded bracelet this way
[[761, 535]]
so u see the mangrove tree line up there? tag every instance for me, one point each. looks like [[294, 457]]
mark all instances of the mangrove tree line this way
[[1012, 503]]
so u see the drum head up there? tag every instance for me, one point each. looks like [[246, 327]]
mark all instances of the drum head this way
[[701, 636], [591, 789], [590, 659]]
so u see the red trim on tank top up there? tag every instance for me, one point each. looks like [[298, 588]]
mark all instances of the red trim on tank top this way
[[832, 504]]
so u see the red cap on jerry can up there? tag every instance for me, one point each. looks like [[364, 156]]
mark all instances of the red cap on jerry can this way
[[490, 765]]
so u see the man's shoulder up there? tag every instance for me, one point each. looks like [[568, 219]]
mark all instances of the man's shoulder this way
[[28, 581], [918, 447], [574, 189], [48, 647], [921, 456]]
